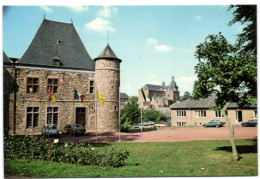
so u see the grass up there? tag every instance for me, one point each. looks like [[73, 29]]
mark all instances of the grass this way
[[193, 158]]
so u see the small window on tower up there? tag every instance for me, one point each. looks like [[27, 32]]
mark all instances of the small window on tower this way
[[59, 42], [91, 87]]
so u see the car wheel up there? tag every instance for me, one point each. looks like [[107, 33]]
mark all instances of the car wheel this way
[[243, 125], [217, 126]]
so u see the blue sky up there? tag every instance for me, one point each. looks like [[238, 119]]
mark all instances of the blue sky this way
[[154, 42]]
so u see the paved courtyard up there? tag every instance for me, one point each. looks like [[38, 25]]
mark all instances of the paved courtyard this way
[[166, 135]]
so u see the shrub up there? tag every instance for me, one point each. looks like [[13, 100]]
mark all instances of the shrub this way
[[32, 147]]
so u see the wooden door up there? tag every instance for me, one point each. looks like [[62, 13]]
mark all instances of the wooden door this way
[[81, 116]]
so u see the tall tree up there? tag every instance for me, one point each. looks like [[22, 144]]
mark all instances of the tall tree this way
[[226, 69], [129, 114], [246, 14], [186, 95]]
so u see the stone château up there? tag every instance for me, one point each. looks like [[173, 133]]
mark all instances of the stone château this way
[[57, 60]]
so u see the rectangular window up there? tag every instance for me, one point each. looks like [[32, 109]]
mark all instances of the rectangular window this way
[[52, 115], [32, 117], [32, 85], [53, 85], [91, 87], [218, 114], [200, 114], [181, 113]]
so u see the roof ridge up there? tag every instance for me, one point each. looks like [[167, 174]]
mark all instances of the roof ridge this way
[[57, 21]]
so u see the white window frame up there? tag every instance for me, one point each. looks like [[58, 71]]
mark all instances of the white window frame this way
[[181, 113], [218, 114], [200, 114]]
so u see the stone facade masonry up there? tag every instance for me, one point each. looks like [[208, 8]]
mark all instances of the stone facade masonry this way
[[68, 80], [107, 77]]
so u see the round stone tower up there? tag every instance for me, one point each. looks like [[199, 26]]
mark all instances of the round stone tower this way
[[107, 79]]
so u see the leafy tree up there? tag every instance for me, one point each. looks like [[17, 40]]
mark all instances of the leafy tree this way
[[129, 114], [226, 69], [246, 14], [153, 115], [186, 95]]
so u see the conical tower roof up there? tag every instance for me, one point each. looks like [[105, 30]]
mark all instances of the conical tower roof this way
[[107, 53]]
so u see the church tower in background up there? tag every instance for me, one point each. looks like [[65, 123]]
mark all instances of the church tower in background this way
[[107, 79]]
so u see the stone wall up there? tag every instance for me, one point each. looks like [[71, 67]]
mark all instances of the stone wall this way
[[67, 82], [107, 77]]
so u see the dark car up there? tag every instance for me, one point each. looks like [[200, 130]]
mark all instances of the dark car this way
[[50, 130], [74, 129], [250, 123]]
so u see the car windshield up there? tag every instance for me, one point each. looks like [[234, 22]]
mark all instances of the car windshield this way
[[75, 125], [51, 127]]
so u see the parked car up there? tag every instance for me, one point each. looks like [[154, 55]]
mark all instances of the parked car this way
[[135, 125], [223, 123], [144, 124], [50, 130], [74, 129], [161, 122], [151, 123], [250, 123], [213, 124], [168, 122]]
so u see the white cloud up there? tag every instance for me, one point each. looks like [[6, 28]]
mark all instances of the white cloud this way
[[107, 11], [100, 25], [46, 9], [153, 76], [186, 83], [162, 48], [198, 17], [78, 9], [155, 82], [187, 78], [151, 41]]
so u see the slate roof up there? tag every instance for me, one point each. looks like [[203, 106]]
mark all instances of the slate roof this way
[[61, 41], [124, 95], [202, 103], [172, 86], [158, 87], [6, 59], [107, 53]]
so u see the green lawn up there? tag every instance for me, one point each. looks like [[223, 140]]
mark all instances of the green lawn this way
[[193, 158]]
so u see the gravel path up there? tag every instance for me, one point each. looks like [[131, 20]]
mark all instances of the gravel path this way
[[166, 135]]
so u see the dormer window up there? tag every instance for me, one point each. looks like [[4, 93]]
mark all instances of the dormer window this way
[[59, 42], [56, 61]]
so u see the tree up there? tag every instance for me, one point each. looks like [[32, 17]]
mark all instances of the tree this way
[[154, 115], [129, 114], [186, 95], [227, 69], [246, 14]]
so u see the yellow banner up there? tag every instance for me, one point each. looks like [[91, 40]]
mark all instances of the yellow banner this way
[[101, 99]]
